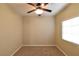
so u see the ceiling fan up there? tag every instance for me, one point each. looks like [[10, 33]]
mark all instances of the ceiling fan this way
[[39, 8]]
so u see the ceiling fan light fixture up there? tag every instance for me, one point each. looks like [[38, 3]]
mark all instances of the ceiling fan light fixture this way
[[39, 11], [42, 5]]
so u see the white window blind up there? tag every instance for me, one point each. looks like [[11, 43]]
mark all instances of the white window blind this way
[[70, 30]]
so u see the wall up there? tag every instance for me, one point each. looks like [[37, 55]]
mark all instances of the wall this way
[[10, 30], [39, 30], [69, 12]]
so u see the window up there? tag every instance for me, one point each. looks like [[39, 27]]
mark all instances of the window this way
[[70, 30]]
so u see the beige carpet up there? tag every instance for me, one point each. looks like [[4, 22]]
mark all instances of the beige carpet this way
[[39, 51]]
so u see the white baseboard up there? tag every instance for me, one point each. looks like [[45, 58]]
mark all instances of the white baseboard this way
[[28, 45], [17, 50], [39, 45], [61, 50]]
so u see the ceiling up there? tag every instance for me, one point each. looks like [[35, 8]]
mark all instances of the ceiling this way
[[23, 8]]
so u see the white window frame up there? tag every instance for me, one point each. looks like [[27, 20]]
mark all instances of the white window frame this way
[[70, 30]]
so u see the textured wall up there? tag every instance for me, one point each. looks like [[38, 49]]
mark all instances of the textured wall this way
[[39, 30], [69, 12], [10, 30]]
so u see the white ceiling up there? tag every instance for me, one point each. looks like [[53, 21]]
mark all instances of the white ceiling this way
[[23, 8]]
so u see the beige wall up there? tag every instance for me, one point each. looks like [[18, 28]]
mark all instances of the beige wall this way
[[10, 30], [39, 30], [69, 12]]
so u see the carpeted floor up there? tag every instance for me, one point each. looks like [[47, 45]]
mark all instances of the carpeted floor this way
[[39, 51]]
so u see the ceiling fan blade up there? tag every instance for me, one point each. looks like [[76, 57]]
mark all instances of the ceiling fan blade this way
[[31, 4], [31, 11], [47, 10], [38, 4], [45, 4]]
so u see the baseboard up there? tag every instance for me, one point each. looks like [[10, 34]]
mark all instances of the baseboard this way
[[17, 50], [39, 45], [61, 50]]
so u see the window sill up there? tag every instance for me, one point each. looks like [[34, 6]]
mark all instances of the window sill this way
[[70, 42]]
